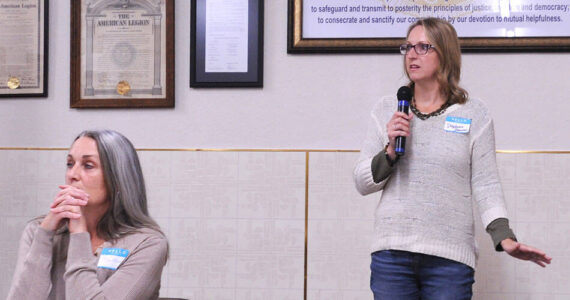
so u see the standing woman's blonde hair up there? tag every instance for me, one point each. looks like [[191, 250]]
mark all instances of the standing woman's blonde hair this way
[[444, 38]]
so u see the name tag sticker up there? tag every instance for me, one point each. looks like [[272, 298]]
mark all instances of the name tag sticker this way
[[457, 124], [111, 258]]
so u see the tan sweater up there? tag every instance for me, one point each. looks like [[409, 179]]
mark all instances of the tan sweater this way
[[63, 266]]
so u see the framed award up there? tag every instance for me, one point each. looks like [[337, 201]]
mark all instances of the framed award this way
[[325, 26], [24, 48], [122, 53], [226, 43]]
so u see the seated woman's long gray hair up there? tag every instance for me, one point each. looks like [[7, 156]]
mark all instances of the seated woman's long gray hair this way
[[124, 183]]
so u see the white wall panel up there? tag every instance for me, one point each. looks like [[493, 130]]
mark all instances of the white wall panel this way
[[236, 222]]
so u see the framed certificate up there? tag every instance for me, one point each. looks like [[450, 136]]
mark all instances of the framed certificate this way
[[24, 48], [122, 53], [381, 25], [226, 43]]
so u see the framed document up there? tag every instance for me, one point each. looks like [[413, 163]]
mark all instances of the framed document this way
[[122, 53], [24, 48], [381, 25], [226, 43]]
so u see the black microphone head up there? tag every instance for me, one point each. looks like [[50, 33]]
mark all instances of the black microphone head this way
[[405, 93]]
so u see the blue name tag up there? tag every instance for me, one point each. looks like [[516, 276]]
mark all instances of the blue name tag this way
[[111, 258], [457, 124]]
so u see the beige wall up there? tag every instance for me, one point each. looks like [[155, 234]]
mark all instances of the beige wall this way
[[307, 102], [236, 219], [236, 222]]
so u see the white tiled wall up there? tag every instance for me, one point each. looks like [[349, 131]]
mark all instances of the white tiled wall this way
[[536, 188], [340, 230], [236, 222]]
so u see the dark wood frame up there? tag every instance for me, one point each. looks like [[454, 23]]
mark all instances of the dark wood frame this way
[[296, 44], [252, 78], [75, 76], [44, 92]]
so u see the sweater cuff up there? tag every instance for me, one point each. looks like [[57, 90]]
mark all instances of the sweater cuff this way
[[44, 236], [42, 243], [380, 166], [499, 230]]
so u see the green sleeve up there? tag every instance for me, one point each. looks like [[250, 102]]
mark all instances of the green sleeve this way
[[499, 230], [381, 168]]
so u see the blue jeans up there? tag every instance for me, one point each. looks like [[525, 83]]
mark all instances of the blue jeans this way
[[402, 275]]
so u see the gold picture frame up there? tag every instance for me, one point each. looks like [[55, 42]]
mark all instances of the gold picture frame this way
[[297, 43]]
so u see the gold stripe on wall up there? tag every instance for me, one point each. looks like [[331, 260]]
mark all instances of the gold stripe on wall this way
[[192, 149], [532, 152], [250, 150], [32, 148], [272, 150]]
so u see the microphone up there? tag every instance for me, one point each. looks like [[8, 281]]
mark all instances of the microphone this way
[[404, 97]]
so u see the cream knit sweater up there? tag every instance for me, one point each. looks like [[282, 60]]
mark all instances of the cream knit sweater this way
[[426, 204]]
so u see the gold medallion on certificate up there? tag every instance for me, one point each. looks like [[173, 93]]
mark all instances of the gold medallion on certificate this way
[[123, 88], [13, 83]]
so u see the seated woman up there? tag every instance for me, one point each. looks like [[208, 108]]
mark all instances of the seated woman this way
[[97, 240]]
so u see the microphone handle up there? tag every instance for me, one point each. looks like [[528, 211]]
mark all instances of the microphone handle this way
[[403, 106], [400, 145]]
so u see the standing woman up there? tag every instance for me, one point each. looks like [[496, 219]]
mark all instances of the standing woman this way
[[424, 243], [97, 240]]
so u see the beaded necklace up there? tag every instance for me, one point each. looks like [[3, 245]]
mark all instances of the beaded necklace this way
[[423, 116]]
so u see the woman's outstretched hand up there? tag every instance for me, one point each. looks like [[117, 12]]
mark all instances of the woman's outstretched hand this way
[[525, 252]]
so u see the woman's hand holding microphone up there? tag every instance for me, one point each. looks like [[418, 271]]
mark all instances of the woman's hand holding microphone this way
[[399, 125]]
